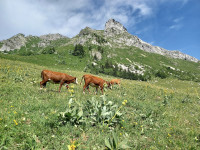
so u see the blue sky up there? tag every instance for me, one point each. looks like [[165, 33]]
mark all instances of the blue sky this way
[[170, 24]]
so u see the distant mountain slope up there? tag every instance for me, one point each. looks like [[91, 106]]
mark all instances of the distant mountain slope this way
[[18, 41], [114, 35]]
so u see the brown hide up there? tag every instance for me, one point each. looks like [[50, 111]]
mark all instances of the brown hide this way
[[93, 81], [56, 77], [115, 81]]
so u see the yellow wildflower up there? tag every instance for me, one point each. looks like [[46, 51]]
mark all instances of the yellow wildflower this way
[[15, 122], [72, 146], [71, 91], [124, 102]]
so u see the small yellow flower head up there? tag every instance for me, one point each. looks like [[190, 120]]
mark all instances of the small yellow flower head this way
[[72, 86], [169, 134], [15, 122], [124, 102], [14, 112], [72, 146], [71, 91]]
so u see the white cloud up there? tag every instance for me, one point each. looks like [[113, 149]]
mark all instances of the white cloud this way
[[175, 26], [177, 20], [38, 17]]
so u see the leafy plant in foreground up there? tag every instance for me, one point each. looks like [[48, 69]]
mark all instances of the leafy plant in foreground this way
[[93, 112], [113, 143]]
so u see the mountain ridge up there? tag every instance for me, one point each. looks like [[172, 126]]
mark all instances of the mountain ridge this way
[[114, 35]]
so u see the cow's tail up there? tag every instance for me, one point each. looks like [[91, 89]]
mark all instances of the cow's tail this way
[[82, 79]]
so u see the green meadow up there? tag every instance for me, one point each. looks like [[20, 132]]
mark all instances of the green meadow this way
[[157, 114]]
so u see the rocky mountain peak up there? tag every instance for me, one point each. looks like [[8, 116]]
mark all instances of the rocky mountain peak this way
[[52, 37], [85, 31], [113, 27], [15, 42]]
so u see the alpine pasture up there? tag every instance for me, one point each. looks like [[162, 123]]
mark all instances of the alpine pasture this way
[[159, 114]]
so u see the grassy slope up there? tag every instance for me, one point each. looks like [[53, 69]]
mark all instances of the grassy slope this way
[[162, 114], [155, 61]]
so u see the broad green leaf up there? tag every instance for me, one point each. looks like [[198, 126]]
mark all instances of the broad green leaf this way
[[80, 114], [107, 143], [115, 140], [123, 145]]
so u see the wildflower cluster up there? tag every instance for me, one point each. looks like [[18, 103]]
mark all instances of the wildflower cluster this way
[[71, 91]]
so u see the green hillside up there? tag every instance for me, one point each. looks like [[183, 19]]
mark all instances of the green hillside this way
[[159, 114], [156, 107], [150, 64]]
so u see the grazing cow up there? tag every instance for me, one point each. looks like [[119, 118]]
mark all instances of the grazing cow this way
[[115, 81], [93, 81], [56, 77]]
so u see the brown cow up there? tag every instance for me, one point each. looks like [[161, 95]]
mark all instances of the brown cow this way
[[56, 77], [115, 81], [93, 81]]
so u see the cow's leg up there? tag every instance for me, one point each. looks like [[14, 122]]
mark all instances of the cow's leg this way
[[85, 86], [67, 86], [96, 90], [43, 84], [84, 89], [61, 83], [88, 89], [101, 87]]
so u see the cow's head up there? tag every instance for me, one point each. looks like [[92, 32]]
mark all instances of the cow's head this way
[[108, 84]]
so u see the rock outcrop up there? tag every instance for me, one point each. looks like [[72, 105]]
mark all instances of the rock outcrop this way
[[113, 27], [19, 40], [52, 37], [15, 42]]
